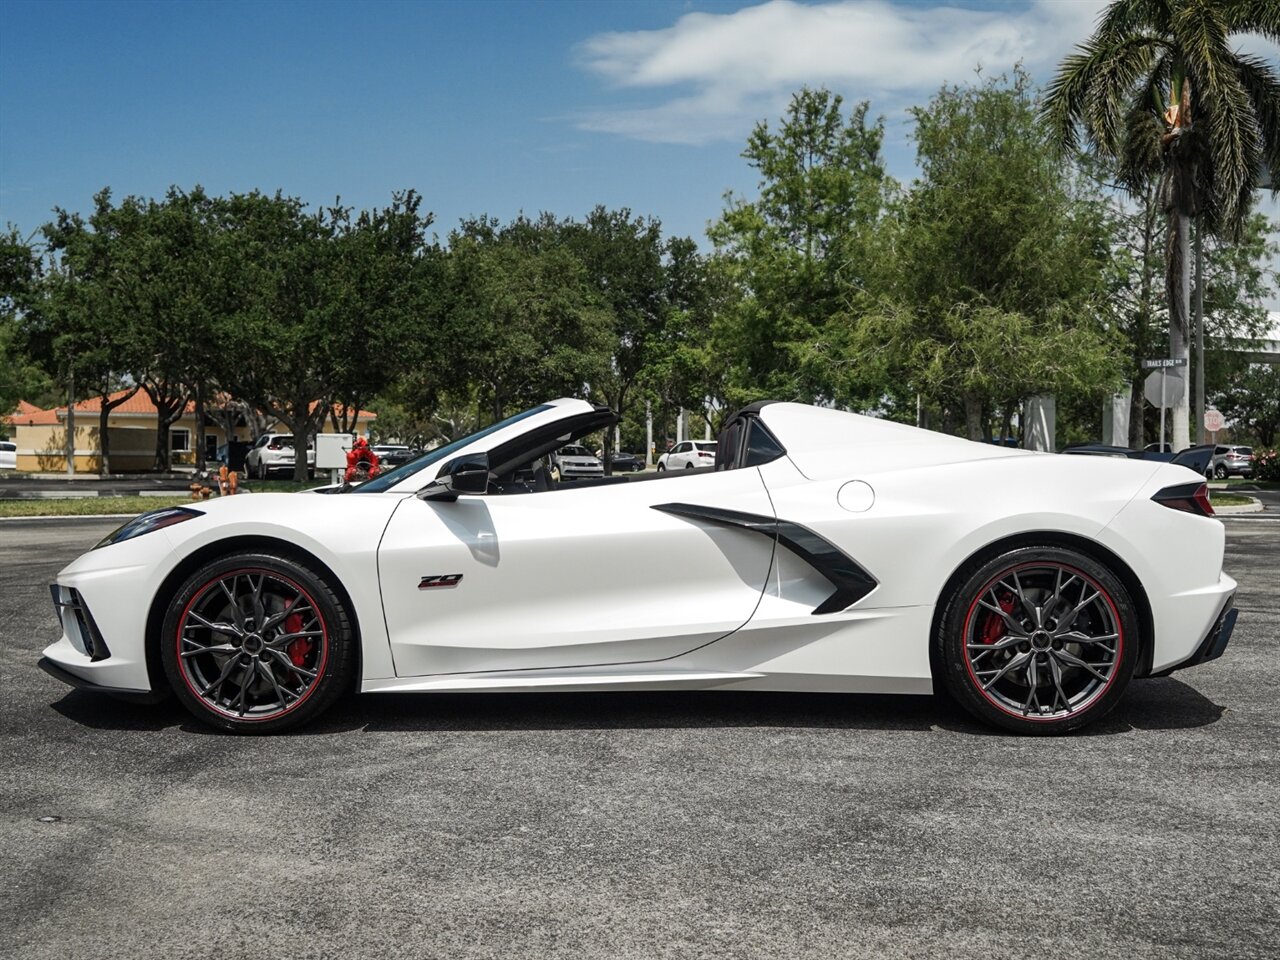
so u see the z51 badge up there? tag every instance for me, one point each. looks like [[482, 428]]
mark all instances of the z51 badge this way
[[440, 580]]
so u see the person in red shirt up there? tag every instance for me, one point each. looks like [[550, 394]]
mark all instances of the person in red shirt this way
[[362, 462]]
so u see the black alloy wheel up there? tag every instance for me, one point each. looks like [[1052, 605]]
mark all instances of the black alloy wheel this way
[[257, 643], [1039, 640]]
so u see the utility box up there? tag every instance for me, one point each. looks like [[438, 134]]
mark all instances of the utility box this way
[[332, 450]]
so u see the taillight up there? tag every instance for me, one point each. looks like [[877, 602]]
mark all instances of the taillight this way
[[1188, 497], [273, 446]]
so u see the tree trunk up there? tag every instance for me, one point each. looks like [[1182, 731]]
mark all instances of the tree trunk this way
[[973, 416], [199, 439], [1137, 416], [104, 433], [304, 426], [1178, 287], [166, 415], [104, 438]]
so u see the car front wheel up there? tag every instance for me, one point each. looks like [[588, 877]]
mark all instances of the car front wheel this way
[[1039, 640], [257, 643]]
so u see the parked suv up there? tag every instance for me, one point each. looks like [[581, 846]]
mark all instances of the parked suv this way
[[688, 455], [274, 452], [8, 455], [1231, 461]]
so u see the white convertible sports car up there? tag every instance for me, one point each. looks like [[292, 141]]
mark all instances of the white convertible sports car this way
[[824, 551]]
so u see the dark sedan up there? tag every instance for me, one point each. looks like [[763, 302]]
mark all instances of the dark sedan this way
[[625, 462]]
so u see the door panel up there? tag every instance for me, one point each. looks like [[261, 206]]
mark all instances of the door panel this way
[[574, 577]]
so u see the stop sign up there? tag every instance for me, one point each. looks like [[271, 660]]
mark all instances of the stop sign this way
[[1213, 420]]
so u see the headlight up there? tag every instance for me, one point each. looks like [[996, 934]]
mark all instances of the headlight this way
[[149, 521]]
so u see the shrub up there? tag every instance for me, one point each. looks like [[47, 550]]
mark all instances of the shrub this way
[[1266, 465]]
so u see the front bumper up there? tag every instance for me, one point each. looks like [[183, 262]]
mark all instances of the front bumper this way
[[102, 601], [53, 669]]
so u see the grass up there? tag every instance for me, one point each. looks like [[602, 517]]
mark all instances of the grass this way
[[285, 486], [87, 506], [97, 506], [1221, 499], [1257, 484]]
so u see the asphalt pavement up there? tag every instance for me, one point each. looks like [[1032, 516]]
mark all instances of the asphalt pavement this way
[[639, 825]]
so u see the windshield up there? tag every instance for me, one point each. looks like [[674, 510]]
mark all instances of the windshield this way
[[386, 481]]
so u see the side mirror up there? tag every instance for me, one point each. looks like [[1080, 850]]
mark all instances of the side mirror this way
[[467, 474]]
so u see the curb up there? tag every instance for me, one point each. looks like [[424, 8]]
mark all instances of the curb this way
[[1253, 506], [88, 494], [72, 516]]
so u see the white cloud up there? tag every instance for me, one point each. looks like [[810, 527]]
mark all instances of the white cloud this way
[[720, 71]]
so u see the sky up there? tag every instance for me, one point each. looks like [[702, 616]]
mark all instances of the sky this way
[[483, 107]]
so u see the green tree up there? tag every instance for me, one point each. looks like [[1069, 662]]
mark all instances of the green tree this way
[[1251, 401], [93, 335], [996, 257], [622, 259], [21, 377], [1162, 89], [521, 320], [686, 368], [387, 275], [326, 305], [796, 252]]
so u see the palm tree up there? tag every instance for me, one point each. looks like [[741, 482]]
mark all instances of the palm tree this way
[[1163, 91]]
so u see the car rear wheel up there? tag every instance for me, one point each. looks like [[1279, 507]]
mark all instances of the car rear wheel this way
[[257, 643], [1220, 472], [1039, 640]]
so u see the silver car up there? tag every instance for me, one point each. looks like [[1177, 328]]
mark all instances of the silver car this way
[[575, 462], [1231, 461]]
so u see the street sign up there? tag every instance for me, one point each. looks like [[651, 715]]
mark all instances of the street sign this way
[[1163, 388], [1161, 363], [1213, 421]]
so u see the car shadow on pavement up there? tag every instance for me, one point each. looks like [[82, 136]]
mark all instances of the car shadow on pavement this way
[[1162, 704]]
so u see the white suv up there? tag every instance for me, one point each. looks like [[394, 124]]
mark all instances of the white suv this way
[[8, 455], [274, 451], [688, 455]]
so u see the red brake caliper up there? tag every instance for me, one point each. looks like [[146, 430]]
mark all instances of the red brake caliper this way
[[301, 646], [993, 626]]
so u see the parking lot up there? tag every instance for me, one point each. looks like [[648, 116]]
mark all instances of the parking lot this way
[[639, 825]]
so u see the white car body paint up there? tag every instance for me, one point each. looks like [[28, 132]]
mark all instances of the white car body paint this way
[[589, 587]]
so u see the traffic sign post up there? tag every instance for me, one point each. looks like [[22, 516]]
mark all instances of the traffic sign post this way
[[1213, 422], [1163, 388]]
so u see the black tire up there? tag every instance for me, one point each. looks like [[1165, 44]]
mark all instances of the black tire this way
[[998, 669], [688, 466], [244, 678], [1220, 472], [662, 468]]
